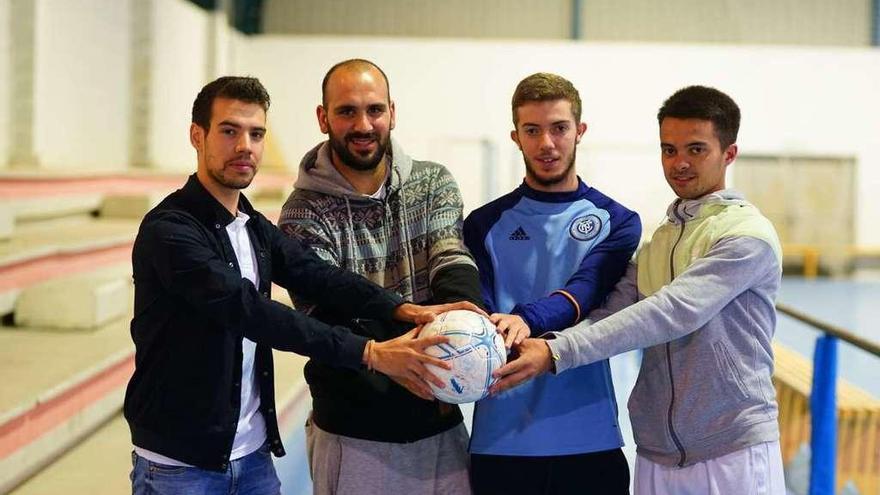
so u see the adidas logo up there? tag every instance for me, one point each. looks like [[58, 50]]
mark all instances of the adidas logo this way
[[519, 235]]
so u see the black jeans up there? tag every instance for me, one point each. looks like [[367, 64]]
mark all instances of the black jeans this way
[[600, 473]]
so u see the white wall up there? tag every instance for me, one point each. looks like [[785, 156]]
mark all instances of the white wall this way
[[781, 22], [492, 19], [226, 41], [180, 63], [81, 78], [794, 101], [5, 28], [452, 97]]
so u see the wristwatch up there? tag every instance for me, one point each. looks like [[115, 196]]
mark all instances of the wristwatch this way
[[554, 356]]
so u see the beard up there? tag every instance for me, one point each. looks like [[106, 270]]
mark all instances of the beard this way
[[234, 181], [552, 180], [358, 162], [227, 176]]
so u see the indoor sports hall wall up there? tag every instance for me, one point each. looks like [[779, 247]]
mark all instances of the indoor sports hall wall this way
[[108, 85], [795, 101], [68, 78], [104, 84], [781, 22], [5, 96]]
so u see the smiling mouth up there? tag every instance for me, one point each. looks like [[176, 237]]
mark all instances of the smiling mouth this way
[[363, 146], [362, 140], [547, 161]]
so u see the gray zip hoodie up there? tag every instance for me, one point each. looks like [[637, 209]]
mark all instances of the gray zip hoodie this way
[[699, 299]]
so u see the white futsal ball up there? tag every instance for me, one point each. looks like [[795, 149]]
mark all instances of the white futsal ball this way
[[475, 350]]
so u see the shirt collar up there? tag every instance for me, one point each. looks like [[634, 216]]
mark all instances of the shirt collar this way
[[682, 210], [554, 197], [206, 208]]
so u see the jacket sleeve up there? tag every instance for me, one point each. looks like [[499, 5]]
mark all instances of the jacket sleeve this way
[[451, 269], [299, 270], [301, 223], [457, 283], [600, 269], [189, 269], [297, 220], [624, 293], [474, 236], [731, 267]]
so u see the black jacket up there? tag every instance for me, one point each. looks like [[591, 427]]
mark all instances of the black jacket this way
[[192, 307]]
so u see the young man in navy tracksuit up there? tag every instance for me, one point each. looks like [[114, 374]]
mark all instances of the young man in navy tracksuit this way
[[548, 253]]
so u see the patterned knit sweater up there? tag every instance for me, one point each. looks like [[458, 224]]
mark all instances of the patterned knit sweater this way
[[410, 242], [400, 242]]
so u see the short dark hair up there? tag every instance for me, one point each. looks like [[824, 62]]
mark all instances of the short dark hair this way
[[353, 63], [246, 89], [704, 103], [543, 86]]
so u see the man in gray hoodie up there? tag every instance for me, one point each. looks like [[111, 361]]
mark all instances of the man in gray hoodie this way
[[361, 203], [699, 298]]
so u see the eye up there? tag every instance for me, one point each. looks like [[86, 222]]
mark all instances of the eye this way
[[696, 150], [258, 135], [345, 112], [228, 131], [532, 131], [667, 151], [376, 110], [560, 129]]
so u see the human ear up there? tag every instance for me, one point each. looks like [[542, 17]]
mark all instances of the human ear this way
[[323, 124]]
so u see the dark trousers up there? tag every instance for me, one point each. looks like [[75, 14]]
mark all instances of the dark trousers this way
[[600, 473]]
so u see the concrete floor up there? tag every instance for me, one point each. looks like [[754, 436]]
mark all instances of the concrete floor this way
[[101, 464]]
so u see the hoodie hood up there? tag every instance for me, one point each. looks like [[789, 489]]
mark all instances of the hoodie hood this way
[[317, 173], [683, 210]]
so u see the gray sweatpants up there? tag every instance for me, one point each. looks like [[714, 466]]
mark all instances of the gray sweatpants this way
[[435, 465]]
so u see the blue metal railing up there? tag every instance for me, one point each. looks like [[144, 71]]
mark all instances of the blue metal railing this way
[[875, 23], [576, 9], [823, 399]]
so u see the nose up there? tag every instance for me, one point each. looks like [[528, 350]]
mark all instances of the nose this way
[[545, 141], [244, 143], [681, 163], [362, 123]]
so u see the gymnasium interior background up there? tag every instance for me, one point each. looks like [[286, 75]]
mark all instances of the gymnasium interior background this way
[[95, 99]]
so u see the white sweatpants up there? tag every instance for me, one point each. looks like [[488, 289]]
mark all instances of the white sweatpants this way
[[755, 470]]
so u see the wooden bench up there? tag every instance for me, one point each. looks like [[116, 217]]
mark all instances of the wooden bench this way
[[858, 421]]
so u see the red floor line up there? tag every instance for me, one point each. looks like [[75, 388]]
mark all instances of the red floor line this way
[[32, 271], [117, 184], [44, 417]]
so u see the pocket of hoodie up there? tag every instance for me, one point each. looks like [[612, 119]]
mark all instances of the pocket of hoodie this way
[[729, 370]]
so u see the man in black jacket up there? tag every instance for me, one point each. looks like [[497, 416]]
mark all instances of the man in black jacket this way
[[201, 404]]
